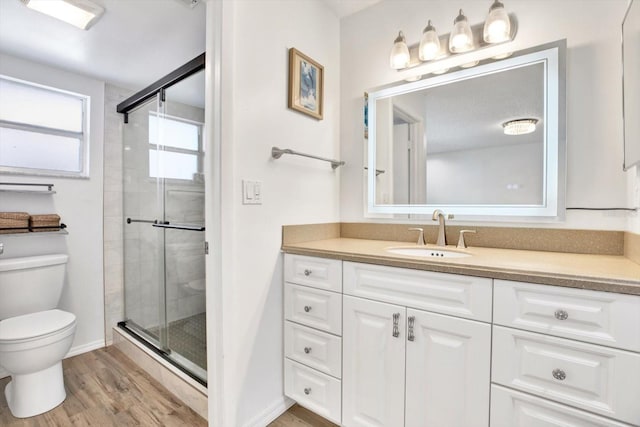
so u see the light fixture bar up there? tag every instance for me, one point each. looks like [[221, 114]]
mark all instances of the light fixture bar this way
[[478, 41], [79, 13]]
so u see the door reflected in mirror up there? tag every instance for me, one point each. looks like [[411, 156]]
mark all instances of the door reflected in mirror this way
[[442, 141]]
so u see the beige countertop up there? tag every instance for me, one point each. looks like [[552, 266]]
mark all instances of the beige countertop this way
[[609, 273]]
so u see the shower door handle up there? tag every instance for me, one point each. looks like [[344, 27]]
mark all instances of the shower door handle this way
[[180, 226]]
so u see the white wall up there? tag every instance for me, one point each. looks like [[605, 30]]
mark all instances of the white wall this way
[[78, 202], [257, 35], [594, 105]]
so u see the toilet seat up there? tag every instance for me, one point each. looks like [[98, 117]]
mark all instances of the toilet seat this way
[[36, 326]]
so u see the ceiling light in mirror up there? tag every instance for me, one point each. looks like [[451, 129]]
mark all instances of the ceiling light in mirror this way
[[79, 13], [497, 27], [399, 57], [429, 43], [461, 38], [519, 126]]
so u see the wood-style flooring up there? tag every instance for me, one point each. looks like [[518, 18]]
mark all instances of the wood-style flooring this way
[[105, 388]]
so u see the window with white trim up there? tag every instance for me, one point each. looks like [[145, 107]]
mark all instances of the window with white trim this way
[[43, 130], [175, 150]]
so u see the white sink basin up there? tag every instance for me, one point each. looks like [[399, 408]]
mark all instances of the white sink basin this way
[[427, 252]]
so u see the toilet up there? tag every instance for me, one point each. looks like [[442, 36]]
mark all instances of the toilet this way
[[34, 334]]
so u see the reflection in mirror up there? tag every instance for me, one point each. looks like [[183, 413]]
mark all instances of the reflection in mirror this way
[[442, 141]]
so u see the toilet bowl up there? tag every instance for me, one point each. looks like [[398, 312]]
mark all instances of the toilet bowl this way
[[34, 335], [31, 350]]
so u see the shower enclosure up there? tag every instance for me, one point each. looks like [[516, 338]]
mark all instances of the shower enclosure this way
[[164, 247]]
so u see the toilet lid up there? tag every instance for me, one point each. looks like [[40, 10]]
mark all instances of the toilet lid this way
[[35, 324]]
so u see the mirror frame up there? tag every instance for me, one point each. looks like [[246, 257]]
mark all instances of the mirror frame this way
[[552, 56]]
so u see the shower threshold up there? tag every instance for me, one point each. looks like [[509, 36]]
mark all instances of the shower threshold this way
[[191, 369]]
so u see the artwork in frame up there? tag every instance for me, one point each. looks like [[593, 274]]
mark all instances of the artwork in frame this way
[[306, 84]]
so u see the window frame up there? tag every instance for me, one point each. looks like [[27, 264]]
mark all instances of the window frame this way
[[82, 136], [199, 153]]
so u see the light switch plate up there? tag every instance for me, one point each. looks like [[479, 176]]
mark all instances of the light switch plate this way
[[251, 192]]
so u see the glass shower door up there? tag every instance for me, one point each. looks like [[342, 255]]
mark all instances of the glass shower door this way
[[164, 247], [181, 122], [144, 254]]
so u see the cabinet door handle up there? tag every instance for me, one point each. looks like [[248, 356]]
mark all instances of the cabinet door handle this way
[[561, 315], [307, 350], [307, 272], [411, 336], [307, 390], [396, 322], [559, 374], [307, 308]]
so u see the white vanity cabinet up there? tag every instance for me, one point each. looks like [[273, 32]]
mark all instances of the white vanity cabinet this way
[[312, 334], [548, 342], [408, 367]]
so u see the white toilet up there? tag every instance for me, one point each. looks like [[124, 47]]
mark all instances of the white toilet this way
[[34, 335]]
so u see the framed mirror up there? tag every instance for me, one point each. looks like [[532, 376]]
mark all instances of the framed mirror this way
[[484, 142], [631, 84]]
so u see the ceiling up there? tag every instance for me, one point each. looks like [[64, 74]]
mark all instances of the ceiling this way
[[344, 8], [133, 44]]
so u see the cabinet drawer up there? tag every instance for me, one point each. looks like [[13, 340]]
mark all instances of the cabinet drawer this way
[[315, 391], [319, 273], [463, 296], [514, 409], [598, 379], [313, 348], [598, 317], [313, 307]]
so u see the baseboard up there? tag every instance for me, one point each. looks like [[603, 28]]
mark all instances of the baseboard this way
[[85, 348], [79, 349], [272, 412]]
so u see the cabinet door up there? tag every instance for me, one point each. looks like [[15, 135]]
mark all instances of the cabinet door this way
[[448, 371], [373, 342]]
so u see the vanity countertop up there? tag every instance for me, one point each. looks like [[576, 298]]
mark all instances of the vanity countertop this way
[[596, 272]]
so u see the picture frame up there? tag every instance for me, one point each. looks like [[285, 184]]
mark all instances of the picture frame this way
[[306, 84]]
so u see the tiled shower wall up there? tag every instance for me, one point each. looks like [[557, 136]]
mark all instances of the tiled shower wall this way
[[113, 219]]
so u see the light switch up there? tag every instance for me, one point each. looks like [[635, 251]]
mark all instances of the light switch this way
[[251, 192]]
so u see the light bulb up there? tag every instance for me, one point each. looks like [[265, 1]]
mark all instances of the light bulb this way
[[429, 43], [497, 27], [519, 126], [399, 57], [461, 38]]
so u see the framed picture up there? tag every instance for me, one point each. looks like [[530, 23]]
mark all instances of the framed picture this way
[[306, 84]]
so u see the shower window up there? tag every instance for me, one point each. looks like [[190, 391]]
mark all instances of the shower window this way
[[175, 150], [43, 130]]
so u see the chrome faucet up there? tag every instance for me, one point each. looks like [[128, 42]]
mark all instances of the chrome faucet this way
[[438, 215]]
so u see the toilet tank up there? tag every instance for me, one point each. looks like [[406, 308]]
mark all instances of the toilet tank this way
[[31, 284]]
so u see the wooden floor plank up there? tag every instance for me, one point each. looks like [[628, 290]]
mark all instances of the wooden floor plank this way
[[105, 388]]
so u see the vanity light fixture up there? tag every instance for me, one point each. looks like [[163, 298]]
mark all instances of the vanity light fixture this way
[[429, 43], [500, 27], [461, 38], [79, 13], [497, 27], [399, 57], [519, 126]]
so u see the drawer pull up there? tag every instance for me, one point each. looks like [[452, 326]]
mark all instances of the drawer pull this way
[[410, 335], [307, 350], [561, 315], [396, 321], [307, 272], [559, 374], [307, 308], [307, 390]]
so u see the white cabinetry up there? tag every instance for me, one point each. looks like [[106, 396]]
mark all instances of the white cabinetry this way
[[313, 330], [579, 372], [408, 367]]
